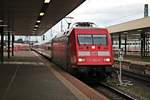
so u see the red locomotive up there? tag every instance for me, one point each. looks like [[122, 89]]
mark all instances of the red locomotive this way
[[84, 48]]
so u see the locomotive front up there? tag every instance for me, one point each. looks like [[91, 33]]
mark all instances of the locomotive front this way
[[93, 47], [84, 49]]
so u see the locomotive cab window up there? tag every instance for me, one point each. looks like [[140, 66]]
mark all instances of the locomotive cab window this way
[[92, 39], [85, 39], [100, 39]]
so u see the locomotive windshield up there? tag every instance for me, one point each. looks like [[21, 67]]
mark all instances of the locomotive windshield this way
[[85, 39], [92, 39]]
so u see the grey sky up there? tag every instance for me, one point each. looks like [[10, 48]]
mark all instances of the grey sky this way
[[109, 12]]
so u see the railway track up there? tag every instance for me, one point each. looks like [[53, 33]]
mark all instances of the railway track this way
[[108, 90], [135, 75], [113, 93]]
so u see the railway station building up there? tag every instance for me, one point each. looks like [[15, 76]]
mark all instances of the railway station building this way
[[133, 37]]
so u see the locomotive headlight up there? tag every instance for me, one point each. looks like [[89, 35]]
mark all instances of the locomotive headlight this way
[[93, 47], [81, 59], [107, 59]]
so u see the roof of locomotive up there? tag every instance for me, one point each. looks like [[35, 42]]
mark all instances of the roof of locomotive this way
[[68, 33], [80, 28], [84, 24], [80, 25]]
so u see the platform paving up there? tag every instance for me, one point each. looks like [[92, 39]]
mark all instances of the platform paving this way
[[136, 60], [27, 78]]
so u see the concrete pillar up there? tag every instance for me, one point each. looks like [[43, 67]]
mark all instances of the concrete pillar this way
[[119, 39], [2, 45], [125, 45], [13, 39], [112, 39], [61, 26], [142, 43], [8, 45]]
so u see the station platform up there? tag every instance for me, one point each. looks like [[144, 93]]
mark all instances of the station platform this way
[[136, 60], [136, 65], [27, 77]]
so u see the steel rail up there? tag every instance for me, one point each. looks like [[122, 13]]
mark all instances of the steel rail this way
[[118, 92]]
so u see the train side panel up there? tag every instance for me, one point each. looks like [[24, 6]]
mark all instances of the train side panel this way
[[59, 48], [72, 49]]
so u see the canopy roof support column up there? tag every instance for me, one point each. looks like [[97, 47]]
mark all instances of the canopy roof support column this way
[[142, 44], [13, 39], [2, 45], [119, 39], [125, 45], [8, 45]]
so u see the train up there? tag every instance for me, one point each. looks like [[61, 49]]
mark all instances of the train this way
[[84, 49]]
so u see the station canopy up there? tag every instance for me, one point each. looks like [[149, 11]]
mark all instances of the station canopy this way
[[34, 17], [138, 24]]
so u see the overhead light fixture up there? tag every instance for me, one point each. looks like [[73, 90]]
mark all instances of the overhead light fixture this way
[[8, 31], [38, 21], [42, 14], [3, 25], [33, 32], [34, 29], [47, 1], [36, 26]]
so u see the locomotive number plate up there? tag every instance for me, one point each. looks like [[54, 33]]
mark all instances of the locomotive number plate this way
[[94, 53], [94, 60]]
